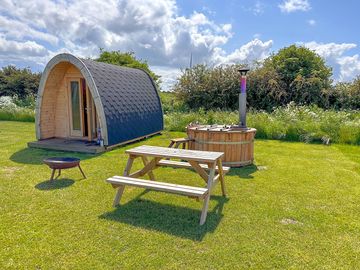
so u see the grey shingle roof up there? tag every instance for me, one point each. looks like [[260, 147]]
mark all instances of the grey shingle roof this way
[[130, 100]]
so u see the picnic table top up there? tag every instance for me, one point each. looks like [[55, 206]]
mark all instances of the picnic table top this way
[[164, 152]]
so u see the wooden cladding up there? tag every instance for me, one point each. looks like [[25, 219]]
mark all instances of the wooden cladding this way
[[55, 116]]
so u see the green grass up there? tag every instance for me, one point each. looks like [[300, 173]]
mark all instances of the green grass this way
[[299, 207]]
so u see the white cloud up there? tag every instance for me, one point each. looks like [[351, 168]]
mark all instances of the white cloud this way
[[152, 29], [12, 48], [330, 50], [33, 31], [251, 51], [289, 6], [168, 75], [345, 67], [350, 67], [23, 54], [258, 8], [18, 30], [311, 22]]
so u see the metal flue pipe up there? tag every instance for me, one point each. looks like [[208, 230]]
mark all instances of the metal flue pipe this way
[[242, 98]]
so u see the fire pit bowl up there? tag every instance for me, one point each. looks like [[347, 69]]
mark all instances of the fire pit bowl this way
[[237, 143], [62, 163]]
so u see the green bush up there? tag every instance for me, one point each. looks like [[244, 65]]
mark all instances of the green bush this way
[[18, 82], [294, 74]]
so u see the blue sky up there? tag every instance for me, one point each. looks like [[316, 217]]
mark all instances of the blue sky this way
[[166, 32], [332, 22]]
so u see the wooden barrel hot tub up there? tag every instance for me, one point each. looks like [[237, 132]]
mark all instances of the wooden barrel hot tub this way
[[236, 143]]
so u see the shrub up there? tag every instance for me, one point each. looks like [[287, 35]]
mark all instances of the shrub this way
[[18, 82], [295, 74]]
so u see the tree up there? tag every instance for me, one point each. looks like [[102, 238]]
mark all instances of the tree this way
[[126, 59], [305, 76], [18, 82], [346, 95], [209, 88]]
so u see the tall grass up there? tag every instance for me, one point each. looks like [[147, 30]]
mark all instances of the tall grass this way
[[292, 123], [11, 112], [308, 124], [17, 114]]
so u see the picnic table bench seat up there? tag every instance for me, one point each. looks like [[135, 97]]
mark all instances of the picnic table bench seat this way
[[190, 191], [187, 165]]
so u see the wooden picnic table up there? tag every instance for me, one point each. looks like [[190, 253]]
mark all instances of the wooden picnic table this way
[[207, 164]]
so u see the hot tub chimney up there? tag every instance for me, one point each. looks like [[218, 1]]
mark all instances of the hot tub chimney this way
[[242, 98]]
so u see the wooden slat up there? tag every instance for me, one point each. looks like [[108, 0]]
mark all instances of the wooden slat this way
[[199, 170], [164, 152], [148, 168], [216, 178], [150, 173], [180, 140], [158, 186], [182, 164]]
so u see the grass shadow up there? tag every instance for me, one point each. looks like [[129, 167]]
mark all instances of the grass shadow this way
[[36, 156], [175, 220], [244, 172], [55, 184]]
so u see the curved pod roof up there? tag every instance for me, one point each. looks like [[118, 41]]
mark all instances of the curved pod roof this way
[[126, 99]]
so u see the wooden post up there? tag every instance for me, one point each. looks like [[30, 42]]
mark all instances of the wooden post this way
[[150, 173], [121, 188], [221, 174], [207, 197]]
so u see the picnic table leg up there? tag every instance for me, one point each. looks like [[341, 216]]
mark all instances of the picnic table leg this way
[[121, 188], [207, 197], [150, 173], [171, 144], [221, 177]]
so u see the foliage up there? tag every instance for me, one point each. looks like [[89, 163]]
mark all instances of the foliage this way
[[297, 208], [10, 111], [291, 123], [127, 59], [18, 82], [171, 104], [303, 73], [346, 95], [209, 88], [295, 74]]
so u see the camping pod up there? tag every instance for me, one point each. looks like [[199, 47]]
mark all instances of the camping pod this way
[[81, 100]]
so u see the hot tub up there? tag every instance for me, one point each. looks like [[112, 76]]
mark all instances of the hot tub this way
[[237, 143]]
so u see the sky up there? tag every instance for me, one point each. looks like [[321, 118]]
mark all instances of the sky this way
[[166, 33]]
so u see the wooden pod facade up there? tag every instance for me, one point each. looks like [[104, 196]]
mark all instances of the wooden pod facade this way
[[84, 100], [237, 144]]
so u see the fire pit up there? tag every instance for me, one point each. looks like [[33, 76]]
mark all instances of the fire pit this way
[[236, 141]]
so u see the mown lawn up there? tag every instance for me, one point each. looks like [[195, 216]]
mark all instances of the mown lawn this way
[[299, 208]]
